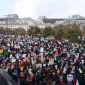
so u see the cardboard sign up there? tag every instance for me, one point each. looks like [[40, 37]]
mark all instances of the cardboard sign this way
[[41, 49], [36, 56], [23, 55], [40, 65], [51, 62], [10, 55], [32, 54], [82, 61], [13, 60], [59, 42]]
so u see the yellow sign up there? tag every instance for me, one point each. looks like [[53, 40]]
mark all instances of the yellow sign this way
[[1, 50]]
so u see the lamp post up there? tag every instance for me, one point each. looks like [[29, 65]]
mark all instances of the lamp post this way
[[83, 40], [6, 20]]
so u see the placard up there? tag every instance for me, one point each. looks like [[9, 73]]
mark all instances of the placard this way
[[69, 77], [42, 38]]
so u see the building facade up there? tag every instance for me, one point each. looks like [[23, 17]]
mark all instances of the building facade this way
[[12, 21]]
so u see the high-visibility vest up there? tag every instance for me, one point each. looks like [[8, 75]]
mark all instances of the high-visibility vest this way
[[30, 72], [80, 71]]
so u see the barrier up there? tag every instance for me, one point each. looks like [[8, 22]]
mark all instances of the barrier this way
[[8, 78]]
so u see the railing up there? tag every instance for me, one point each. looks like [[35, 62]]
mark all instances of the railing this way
[[7, 77]]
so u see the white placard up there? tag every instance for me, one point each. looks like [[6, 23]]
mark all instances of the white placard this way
[[69, 77], [23, 55]]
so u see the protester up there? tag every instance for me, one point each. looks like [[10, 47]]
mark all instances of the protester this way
[[42, 62]]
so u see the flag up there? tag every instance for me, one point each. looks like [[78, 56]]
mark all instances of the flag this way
[[28, 36], [56, 55], [45, 42], [62, 48], [74, 48], [67, 57], [21, 44], [66, 66], [74, 44], [39, 69], [37, 48], [25, 37], [83, 54], [51, 43], [35, 40], [7, 41], [81, 47], [58, 40], [55, 43], [77, 83], [33, 37]]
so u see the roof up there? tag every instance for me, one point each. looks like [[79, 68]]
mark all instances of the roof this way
[[1, 19], [51, 20]]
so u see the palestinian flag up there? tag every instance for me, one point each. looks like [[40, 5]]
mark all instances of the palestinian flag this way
[[25, 44], [27, 36], [39, 69], [62, 48], [83, 54], [36, 48], [55, 43], [51, 43], [58, 40], [74, 44], [56, 55], [7, 41], [74, 48], [67, 57], [66, 66], [81, 47], [35, 40], [45, 42], [21, 44], [33, 37]]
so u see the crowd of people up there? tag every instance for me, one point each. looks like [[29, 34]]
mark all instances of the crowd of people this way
[[39, 61]]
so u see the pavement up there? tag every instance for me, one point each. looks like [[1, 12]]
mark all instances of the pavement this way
[[2, 81]]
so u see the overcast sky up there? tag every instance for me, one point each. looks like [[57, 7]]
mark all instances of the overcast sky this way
[[36, 8]]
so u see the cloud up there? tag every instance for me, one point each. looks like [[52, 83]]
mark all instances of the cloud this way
[[49, 8]]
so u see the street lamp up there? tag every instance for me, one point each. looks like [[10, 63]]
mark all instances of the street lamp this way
[[6, 20]]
